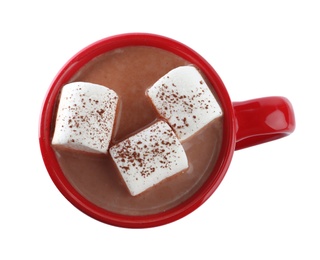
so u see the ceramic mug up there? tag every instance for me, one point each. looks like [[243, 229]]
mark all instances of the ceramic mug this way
[[245, 124]]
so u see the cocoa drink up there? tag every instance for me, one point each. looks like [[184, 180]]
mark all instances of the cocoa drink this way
[[130, 71]]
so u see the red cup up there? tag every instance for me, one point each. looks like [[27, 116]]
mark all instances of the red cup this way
[[245, 124]]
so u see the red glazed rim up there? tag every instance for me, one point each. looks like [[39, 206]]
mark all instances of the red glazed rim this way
[[54, 170]]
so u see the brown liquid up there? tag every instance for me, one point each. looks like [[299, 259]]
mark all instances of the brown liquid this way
[[130, 71]]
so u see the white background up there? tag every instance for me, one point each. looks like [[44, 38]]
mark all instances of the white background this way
[[267, 207]]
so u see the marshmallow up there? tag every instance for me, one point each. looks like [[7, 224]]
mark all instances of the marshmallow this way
[[148, 157], [85, 117], [183, 98]]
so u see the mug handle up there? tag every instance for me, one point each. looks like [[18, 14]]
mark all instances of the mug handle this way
[[262, 120]]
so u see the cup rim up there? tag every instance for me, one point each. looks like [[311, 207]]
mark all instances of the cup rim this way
[[52, 165]]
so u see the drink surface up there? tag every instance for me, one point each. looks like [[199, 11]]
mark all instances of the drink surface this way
[[130, 71]]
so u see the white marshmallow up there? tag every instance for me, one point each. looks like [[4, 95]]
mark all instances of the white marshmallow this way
[[85, 117], [149, 157], [183, 98]]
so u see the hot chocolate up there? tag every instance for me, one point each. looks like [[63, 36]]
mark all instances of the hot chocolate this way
[[130, 71]]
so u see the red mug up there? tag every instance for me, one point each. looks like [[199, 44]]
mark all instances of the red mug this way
[[245, 123]]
